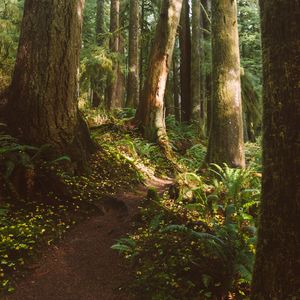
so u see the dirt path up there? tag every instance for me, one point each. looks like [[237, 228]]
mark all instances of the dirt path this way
[[83, 266]]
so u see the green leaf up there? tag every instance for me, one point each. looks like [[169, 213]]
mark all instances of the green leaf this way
[[121, 248], [62, 158]]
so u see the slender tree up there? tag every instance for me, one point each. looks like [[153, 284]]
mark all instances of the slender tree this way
[[98, 89], [197, 67], [133, 84], [100, 22], [121, 76], [226, 137], [150, 112], [185, 62], [206, 74], [43, 107], [276, 271], [114, 96], [142, 20], [196, 59]]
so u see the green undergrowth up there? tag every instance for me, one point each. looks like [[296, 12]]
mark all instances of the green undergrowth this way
[[124, 139], [39, 201], [197, 241]]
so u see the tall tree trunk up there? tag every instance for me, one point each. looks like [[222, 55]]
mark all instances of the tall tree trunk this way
[[151, 109], [114, 96], [206, 80], [120, 94], [133, 84], [142, 46], [196, 59], [226, 143], [276, 271], [121, 76], [98, 90], [185, 62], [43, 106], [197, 62]]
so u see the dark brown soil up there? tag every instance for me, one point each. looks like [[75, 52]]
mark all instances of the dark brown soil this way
[[83, 266]]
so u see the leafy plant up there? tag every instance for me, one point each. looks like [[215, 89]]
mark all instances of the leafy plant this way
[[199, 241]]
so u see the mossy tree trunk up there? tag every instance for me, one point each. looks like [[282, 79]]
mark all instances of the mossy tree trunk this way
[[185, 62], [43, 106], [133, 83], [276, 272], [226, 143], [151, 109]]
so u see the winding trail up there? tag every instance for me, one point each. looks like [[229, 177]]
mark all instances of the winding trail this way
[[83, 266]]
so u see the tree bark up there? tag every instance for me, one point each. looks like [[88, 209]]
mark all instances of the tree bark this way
[[43, 106], [151, 109], [276, 272], [169, 103], [185, 62], [226, 143], [133, 84]]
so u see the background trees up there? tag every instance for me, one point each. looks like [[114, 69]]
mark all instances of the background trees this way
[[104, 69]]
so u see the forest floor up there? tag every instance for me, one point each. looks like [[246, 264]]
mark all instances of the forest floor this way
[[83, 265], [57, 243]]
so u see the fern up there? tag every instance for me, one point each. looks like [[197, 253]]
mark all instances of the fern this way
[[201, 236], [234, 180], [124, 245]]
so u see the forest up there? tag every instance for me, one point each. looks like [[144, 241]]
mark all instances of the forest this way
[[149, 150]]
